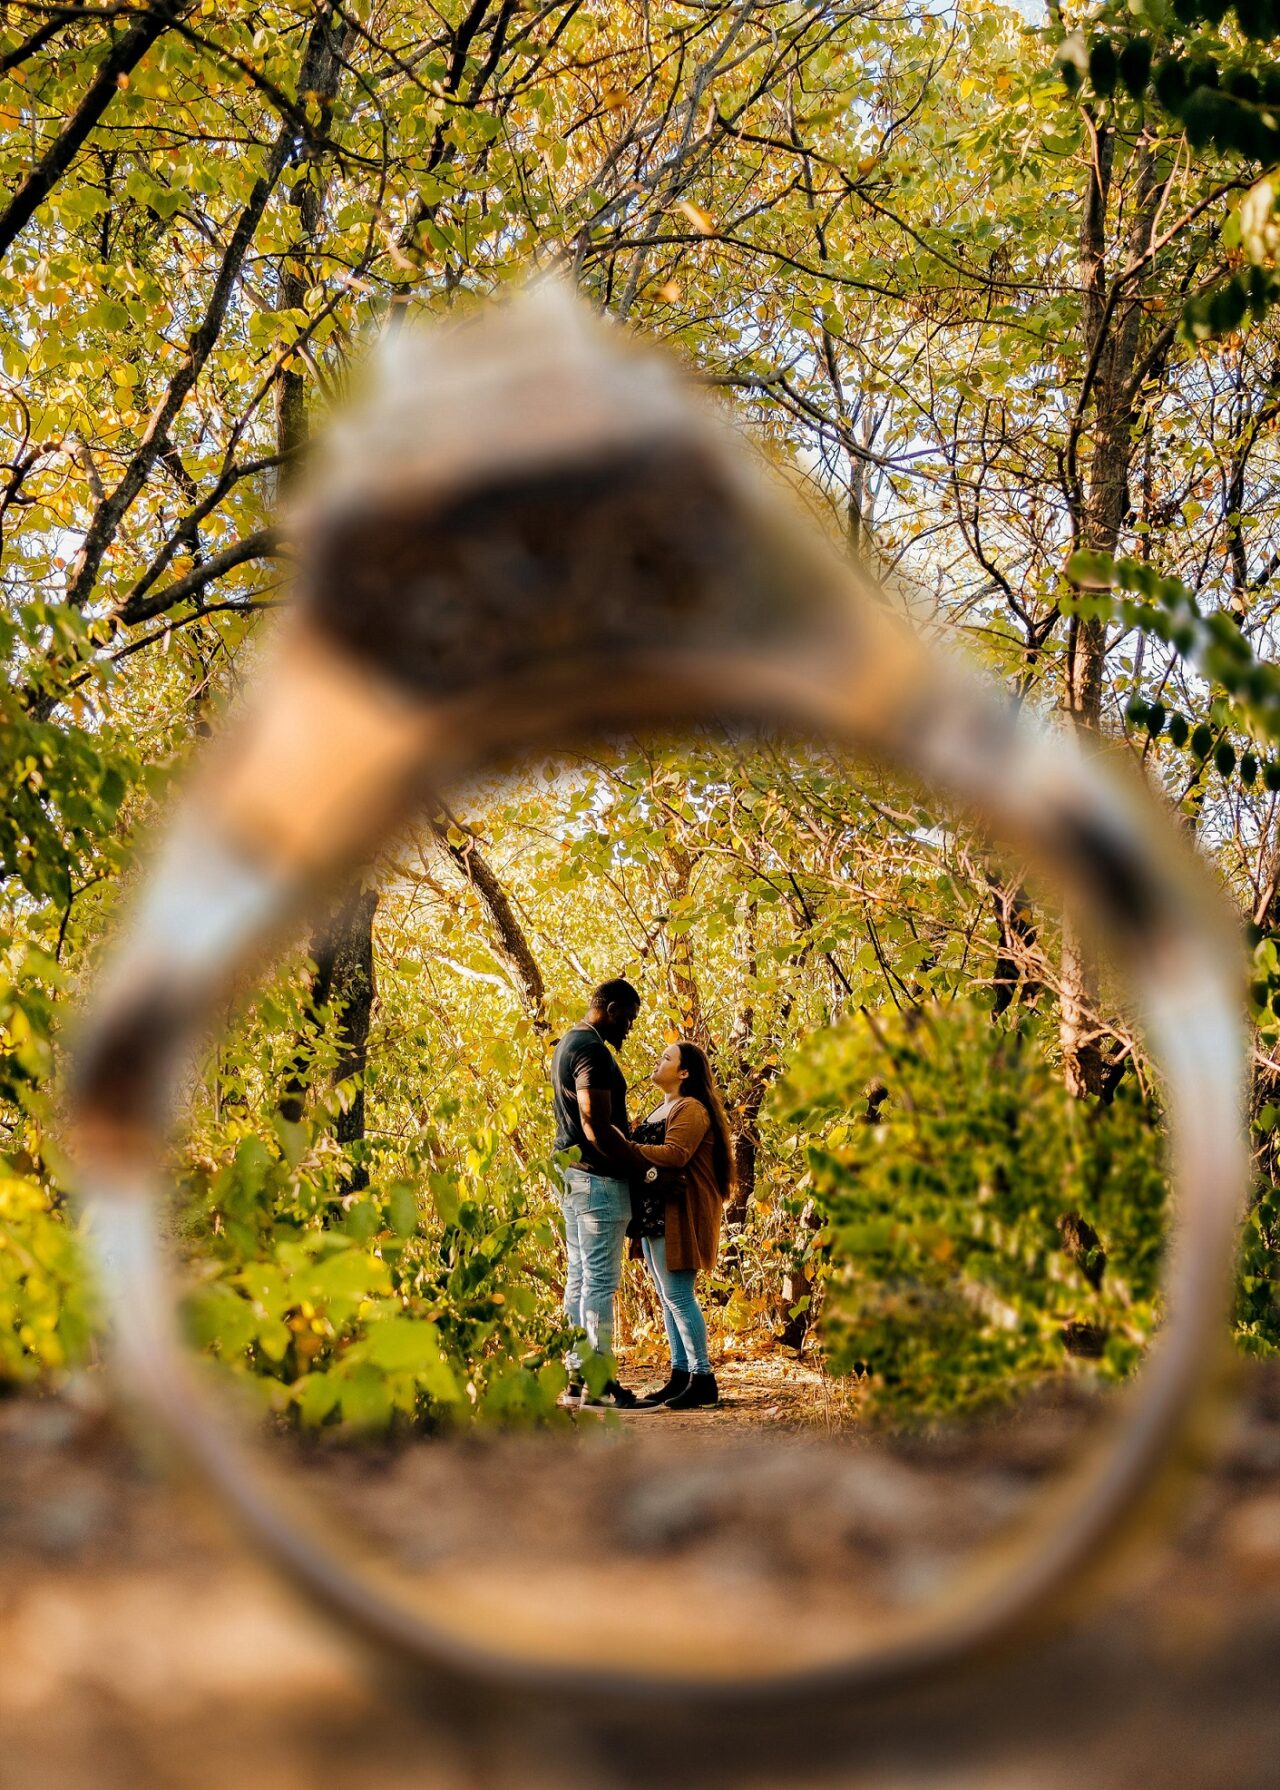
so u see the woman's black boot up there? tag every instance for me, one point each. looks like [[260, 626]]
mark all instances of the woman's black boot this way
[[701, 1390], [677, 1383]]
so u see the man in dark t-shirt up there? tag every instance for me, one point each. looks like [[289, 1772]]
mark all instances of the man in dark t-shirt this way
[[583, 1063], [590, 1096]]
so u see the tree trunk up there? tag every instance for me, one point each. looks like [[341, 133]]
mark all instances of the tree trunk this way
[[345, 981], [352, 985], [746, 1146], [759, 1063], [321, 73], [1112, 334], [680, 964], [511, 943], [798, 1288], [1015, 925], [343, 948]]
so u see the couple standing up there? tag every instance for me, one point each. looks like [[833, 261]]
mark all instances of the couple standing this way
[[673, 1222]]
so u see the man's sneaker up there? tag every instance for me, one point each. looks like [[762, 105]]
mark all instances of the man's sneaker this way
[[701, 1391], [613, 1397]]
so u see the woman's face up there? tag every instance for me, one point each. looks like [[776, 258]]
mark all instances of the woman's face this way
[[667, 1073]]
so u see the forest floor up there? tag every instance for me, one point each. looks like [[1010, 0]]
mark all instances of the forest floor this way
[[141, 1650], [771, 1390]]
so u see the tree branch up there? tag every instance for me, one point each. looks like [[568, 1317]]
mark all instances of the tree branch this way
[[120, 60], [109, 514], [513, 946], [262, 544]]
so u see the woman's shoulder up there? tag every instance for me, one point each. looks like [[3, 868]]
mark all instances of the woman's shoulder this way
[[690, 1106]]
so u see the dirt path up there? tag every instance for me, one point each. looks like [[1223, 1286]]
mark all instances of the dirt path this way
[[757, 1391], [139, 1649]]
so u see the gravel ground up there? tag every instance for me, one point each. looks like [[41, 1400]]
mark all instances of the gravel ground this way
[[140, 1648]]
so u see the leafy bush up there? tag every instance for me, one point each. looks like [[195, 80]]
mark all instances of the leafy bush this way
[[366, 1307], [61, 784], [43, 1299], [44, 1308], [1258, 1288], [980, 1223]]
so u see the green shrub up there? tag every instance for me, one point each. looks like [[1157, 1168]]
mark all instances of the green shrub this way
[[970, 1207], [44, 1305], [1258, 1287], [362, 1308]]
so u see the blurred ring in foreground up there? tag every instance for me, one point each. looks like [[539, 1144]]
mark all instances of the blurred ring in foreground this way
[[530, 530]]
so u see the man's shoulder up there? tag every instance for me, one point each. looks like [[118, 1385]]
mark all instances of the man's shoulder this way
[[583, 1043]]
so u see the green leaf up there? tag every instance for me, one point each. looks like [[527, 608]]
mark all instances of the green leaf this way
[[295, 1139], [402, 1209], [365, 1398], [446, 1198], [362, 1220], [316, 1397], [345, 1280], [1091, 571], [412, 1346]]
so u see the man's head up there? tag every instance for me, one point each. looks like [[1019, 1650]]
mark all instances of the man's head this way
[[613, 1010]]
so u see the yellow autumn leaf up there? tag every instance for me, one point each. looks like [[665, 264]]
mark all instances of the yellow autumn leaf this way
[[701, 221], [669, 291]]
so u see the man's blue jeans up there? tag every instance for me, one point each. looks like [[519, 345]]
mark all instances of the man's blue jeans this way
[[597, 1209]]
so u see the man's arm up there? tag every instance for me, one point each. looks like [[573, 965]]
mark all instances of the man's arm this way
[[596, 1108]]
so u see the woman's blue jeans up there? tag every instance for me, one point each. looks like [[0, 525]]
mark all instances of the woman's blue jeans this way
[[596, 1210], [681, 1314]]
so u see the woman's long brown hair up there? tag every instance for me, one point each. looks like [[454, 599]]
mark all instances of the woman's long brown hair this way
[[700, 1084]]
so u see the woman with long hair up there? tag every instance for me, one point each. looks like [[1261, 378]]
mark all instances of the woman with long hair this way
[[678, 1223]]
